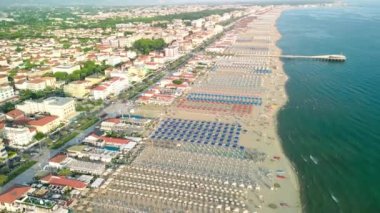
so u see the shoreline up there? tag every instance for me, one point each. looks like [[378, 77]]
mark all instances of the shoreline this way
[[294, 173], [262, 129], [277, 98]]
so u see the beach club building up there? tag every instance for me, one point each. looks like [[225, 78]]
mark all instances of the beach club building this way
[[103, 141], [63, 181], [58, 161], [11, 200]]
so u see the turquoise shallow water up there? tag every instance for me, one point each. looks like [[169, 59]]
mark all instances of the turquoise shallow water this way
[[330, 128]]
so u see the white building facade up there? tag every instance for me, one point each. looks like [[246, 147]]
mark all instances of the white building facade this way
[[63, 107]]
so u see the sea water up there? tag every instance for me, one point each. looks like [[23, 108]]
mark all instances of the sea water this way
[[330, 127]]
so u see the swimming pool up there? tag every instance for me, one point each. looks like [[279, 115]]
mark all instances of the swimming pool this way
[[112, 148]]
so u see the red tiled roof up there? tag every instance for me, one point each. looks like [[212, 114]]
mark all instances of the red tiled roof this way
[[16, 113], [144, 98], [21, 121], [63, 181], [100, 88], [112, 140], [36, 81], [58, 158], [42, 121], [113, 120], [13, 194], [176, 85]]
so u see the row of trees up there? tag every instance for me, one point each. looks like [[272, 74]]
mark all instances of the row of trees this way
[[145, 46], [48, 92]]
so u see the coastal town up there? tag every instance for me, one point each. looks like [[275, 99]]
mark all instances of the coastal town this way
[[152, 109]]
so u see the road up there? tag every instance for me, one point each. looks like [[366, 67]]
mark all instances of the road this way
[[42, 160]]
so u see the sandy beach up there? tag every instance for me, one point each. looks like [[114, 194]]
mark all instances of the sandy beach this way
[[261, 129], [220, 153], [261, 135]]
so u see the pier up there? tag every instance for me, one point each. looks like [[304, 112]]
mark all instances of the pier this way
[[333, 58], [338, 58]]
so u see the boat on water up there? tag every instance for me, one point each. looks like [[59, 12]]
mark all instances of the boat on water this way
[[314, 159], [334, 198]]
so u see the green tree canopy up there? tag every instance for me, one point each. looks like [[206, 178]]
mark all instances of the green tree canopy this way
[[144, 45]]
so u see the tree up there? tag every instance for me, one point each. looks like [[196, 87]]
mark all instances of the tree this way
[[39, 136], [178, 81], [64, 172], [8, 106], [144, 46], [19, 49], [61, 76], [3, 179], [128, 33], [66, 45]]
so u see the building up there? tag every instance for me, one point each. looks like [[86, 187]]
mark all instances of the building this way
[[92, 153], [198, 23], [139, 71], [85, 167], [19, 136], [102, 141], [156, 98], [171, 52], [38, 84], [58, 161], [95, 79], [45, 124], [63, 107], [15, 114], [63, 181], [124, 125], [6, 92], [77, 89], [3, 79], [11, 199], [66, 68], [3, 152], [111, 87], [28, 199]]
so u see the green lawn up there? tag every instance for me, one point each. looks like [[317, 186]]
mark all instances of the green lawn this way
[[64, 140], [87, 123]]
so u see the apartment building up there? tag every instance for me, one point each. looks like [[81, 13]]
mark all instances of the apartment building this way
[[19, 136], [63, 107], [38, 84], [6, 92], [77, 89], [111, 87], [45, 124]]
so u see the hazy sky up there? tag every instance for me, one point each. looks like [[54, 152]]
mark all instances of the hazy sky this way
[[122, 2]]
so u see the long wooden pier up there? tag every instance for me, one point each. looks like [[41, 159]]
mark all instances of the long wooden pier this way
[[335, 58], [339, 58]]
